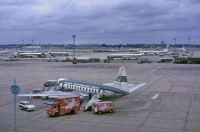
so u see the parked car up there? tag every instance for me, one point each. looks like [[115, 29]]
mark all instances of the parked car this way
[[26, 105]]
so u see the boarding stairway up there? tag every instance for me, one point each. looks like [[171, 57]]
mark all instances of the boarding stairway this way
[[87, 104]]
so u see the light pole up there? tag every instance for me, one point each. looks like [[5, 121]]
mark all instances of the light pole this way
[[74, 55], [174, 42], [189, 40], [190, 46], [32, 41], [15, 89]]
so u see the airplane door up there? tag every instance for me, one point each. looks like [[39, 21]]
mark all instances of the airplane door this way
[[101, 91]]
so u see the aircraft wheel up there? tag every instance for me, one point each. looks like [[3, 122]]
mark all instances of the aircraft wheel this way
[[73, 111], [56, 114]]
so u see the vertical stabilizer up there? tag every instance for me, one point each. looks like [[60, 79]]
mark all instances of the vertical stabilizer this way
[[121, 81], [183, 49], [167, 48]]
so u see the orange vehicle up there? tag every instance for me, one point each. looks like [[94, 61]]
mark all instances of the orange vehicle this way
[[62, 106], [103, 107]]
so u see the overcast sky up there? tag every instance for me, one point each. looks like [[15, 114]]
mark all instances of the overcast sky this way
[[99, 21]]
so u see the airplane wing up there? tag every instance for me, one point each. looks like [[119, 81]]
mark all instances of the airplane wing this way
[[131, 87], [32, 95], [54, 94]]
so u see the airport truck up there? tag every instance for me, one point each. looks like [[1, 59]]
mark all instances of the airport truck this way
[[62, 106], [103, 107]]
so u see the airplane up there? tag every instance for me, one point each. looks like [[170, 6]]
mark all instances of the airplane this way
[[125, 56], [156, 52], [98, 91], [26, 51], [3, 51], [95, 91], [58, 53], [181, 49], [30, 54]]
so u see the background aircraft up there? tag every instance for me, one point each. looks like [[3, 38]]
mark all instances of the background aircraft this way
[[126, 56], [155, 52], [3, 51]]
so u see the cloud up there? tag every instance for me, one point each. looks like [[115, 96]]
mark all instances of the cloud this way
[[98, 21]]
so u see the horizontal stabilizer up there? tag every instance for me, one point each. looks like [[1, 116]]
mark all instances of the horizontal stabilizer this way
[[132, 87]]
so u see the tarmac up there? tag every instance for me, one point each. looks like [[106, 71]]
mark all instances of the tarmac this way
[[169, 102]]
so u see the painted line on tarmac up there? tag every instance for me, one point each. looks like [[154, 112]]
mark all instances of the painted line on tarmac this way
[[155, 96], [136, 109]]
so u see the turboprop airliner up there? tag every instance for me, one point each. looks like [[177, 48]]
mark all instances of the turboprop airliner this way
[[119, 86], [96, 91]]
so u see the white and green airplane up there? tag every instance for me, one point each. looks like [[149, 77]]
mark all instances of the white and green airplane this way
[[70, 87]]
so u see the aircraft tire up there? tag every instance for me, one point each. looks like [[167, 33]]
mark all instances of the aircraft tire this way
[[56, 114]]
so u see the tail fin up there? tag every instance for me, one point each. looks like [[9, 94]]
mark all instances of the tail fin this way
[[183, 49], [167, 48], [121, 82]]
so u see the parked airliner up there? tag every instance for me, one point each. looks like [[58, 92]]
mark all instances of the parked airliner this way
[[96, 91], [4, 51], [125, 56], [156, 52]]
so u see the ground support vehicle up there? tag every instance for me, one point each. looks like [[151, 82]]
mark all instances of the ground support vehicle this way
[[62, 106], [103, 107]]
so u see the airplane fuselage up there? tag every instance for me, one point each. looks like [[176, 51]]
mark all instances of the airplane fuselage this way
[[80, 87], [91, 88], [125, 55]]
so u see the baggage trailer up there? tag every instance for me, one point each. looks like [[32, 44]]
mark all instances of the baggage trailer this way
[[103, 107], [62, 106]]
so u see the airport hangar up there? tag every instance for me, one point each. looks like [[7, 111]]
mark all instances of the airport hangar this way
[[175, 109]]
